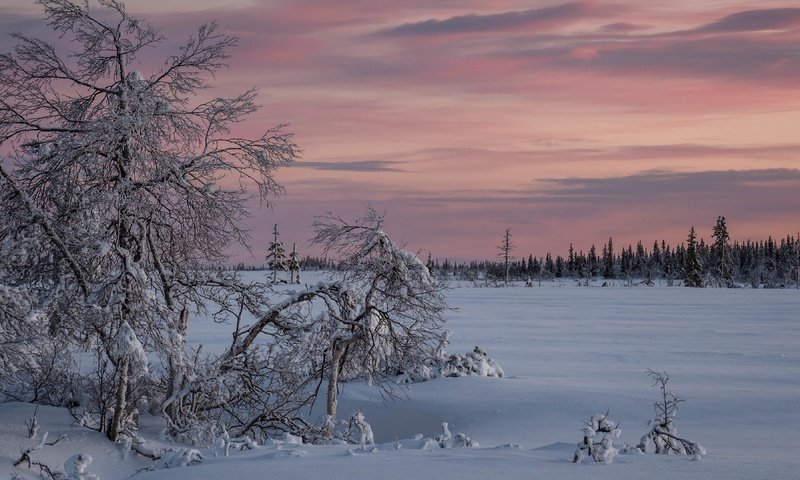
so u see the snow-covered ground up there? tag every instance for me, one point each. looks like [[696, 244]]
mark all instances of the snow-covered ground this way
[[567, 353]]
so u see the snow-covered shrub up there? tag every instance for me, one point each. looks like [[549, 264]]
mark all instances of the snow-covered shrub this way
[[474, 363], [602, 450], [446, 437], [75, 467], [224, 442], [460, 440], [359, 426], [661, 431], [35, 368]]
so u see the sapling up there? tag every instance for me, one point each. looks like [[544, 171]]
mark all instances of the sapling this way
[[33, 424], [661, 431]]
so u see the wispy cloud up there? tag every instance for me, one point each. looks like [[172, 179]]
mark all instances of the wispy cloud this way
[[355, 166], [756, 21], [731, 186], [546, 17]]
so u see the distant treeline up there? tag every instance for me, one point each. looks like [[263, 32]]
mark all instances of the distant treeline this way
[[767, 263], [306, 263]]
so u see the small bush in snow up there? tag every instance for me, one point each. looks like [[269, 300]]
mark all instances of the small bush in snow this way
[[661, 432], [33, 425], [359, 425], [447, 440], [602, 450], [474, 363], [76, 465], [356, 431], [224, 442]]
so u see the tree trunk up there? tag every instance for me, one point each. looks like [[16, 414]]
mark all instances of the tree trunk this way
[[333, 378], [175, 360], [122, 395]]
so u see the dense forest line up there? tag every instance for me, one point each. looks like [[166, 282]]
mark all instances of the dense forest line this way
[[770, 263]]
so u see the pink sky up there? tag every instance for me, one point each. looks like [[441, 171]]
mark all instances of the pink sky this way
[[565, 122]]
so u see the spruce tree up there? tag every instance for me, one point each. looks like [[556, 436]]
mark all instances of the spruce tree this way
[[594, 269], [608, 259], [722, 264], [692, 270], [276, 255], [549, 266], [571, 270], [294, 266]]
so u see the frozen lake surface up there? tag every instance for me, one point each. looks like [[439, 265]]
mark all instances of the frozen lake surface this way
[[568, 352]]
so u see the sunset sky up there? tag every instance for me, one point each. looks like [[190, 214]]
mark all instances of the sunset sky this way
[[565, 122]]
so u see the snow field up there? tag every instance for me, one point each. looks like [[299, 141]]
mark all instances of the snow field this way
[[567, 353]]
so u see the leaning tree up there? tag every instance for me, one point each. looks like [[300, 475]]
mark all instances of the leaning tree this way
[[113, 192], [388, 319], [378, 315]]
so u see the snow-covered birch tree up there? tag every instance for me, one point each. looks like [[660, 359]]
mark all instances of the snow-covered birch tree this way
[[114, 183], [388, 318]]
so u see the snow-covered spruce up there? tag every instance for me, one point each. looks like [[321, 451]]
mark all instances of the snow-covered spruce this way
[[474, 363], [593, 450], [276, 256], [661, 432]]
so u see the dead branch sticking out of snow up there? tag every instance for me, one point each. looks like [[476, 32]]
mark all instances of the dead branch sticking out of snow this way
[[26, 455]]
